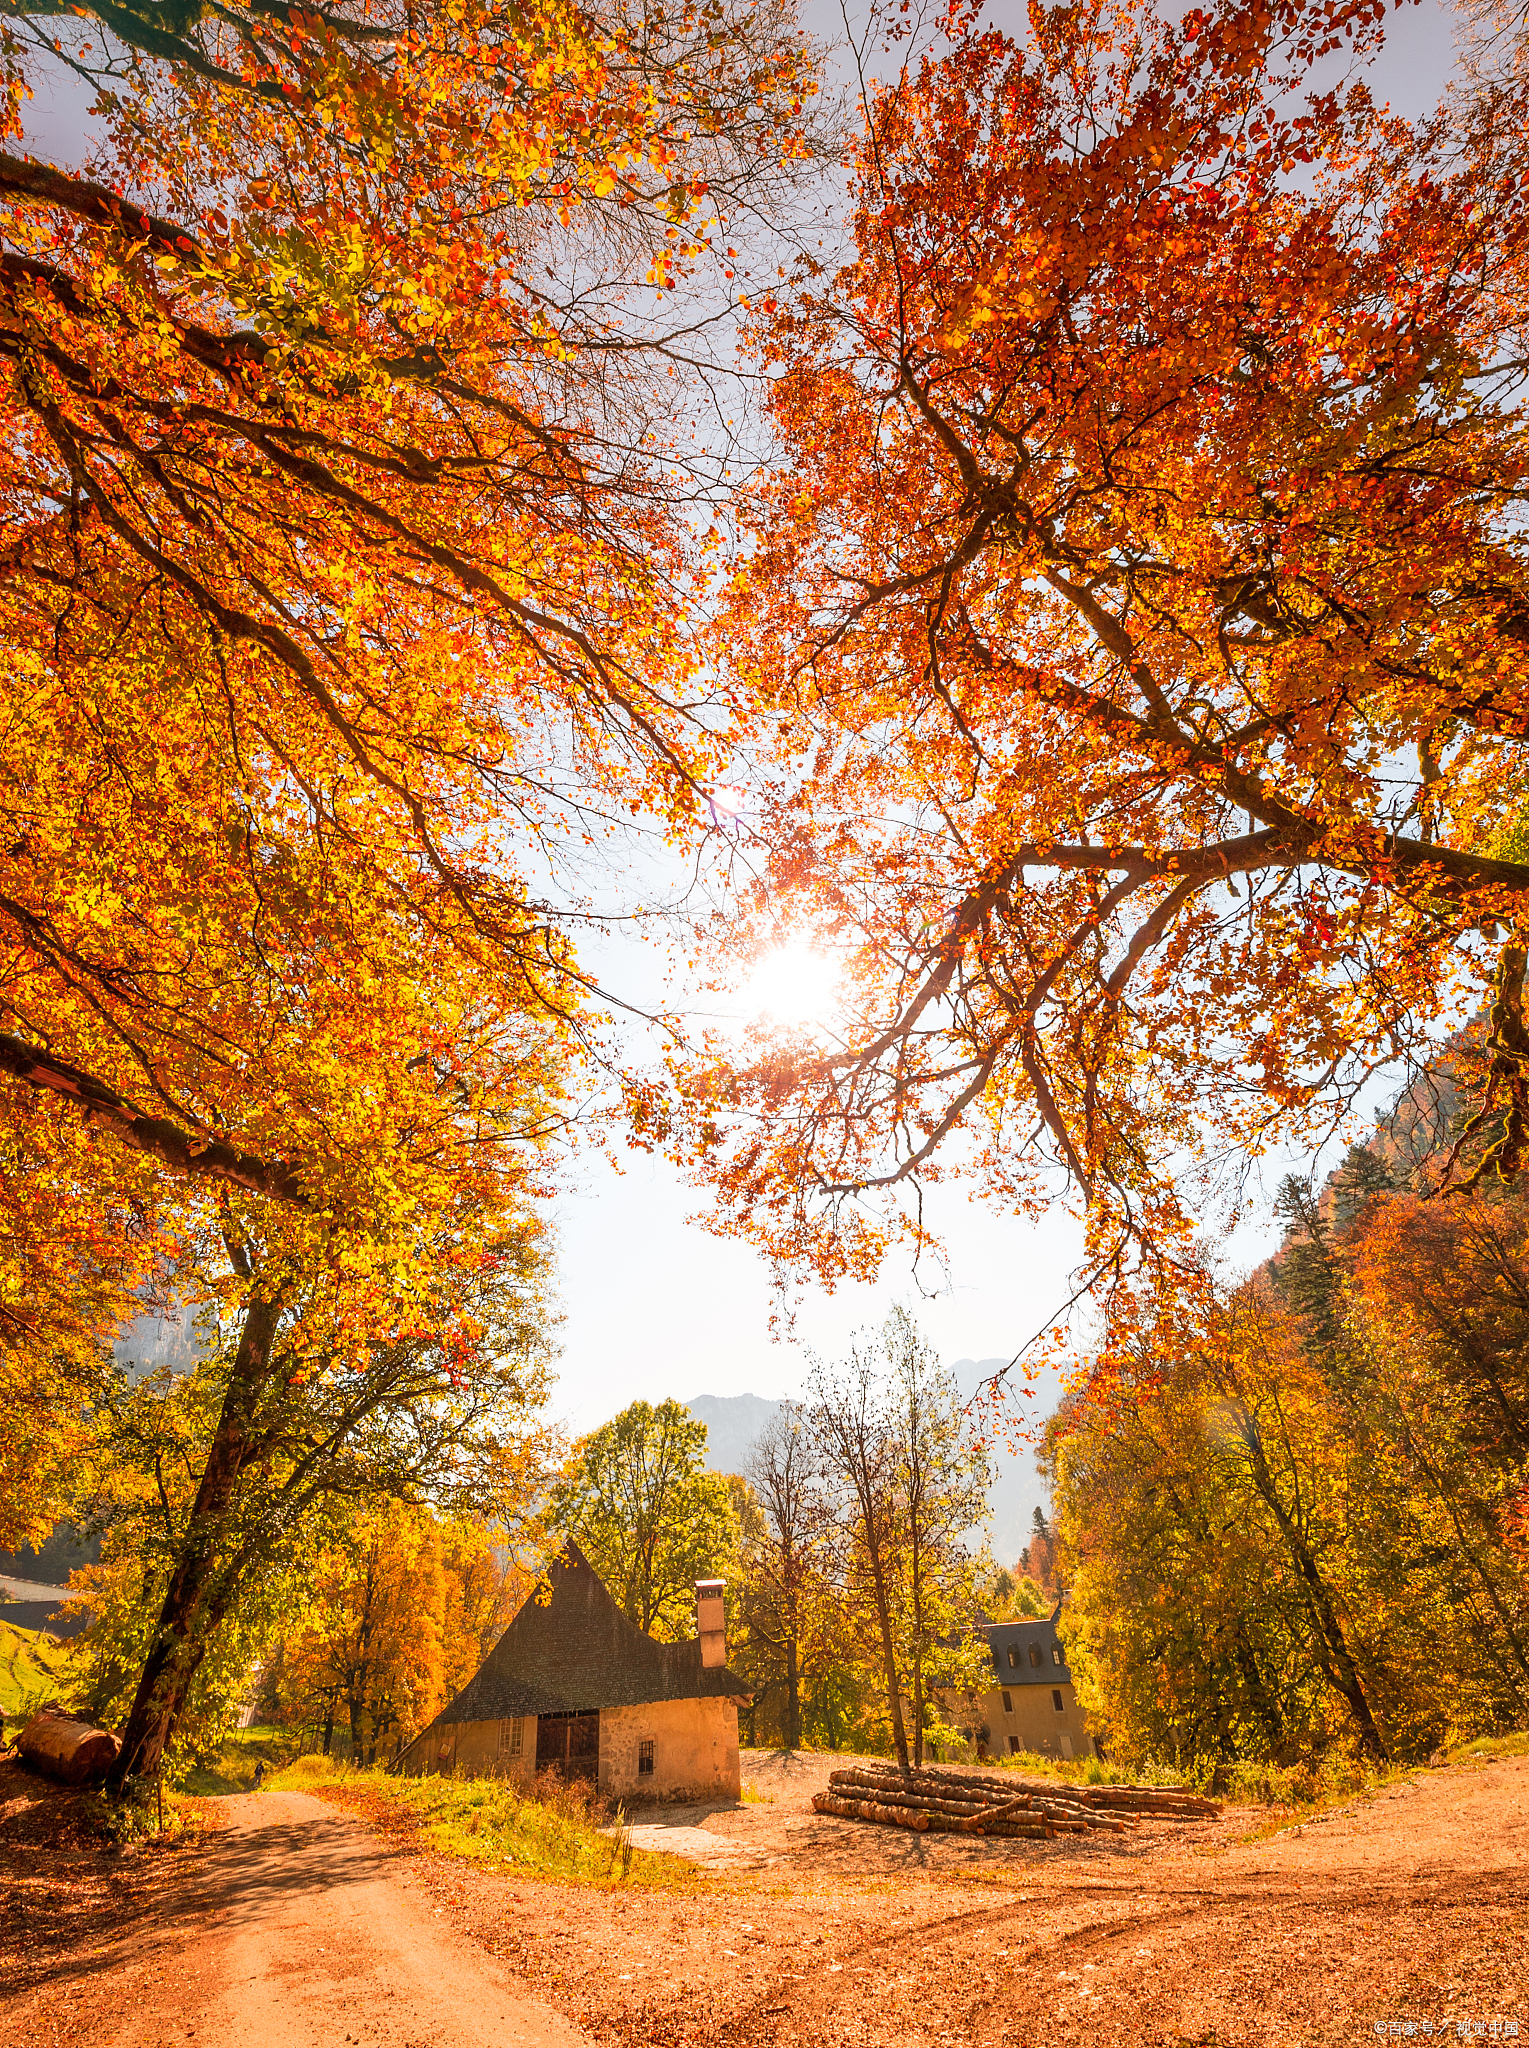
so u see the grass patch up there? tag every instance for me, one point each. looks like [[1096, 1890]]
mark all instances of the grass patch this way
[[1486, 1747], [231, 1768], [554, 1833], [34, 1668], [1081, 1770]]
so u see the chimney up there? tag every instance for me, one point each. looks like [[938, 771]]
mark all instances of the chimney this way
[[711, 1621]]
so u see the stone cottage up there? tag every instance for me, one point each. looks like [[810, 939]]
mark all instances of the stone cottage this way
[[573, 1686]]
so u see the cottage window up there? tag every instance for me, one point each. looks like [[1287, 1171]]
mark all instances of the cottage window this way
[[1014, 1656], [1056, 1701], [1008, 1704], [509, 1738], [1035, 1654], [1056, 1653], [644, 1759], [1013, 1745]]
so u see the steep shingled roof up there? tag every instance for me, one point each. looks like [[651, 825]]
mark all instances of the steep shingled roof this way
[[1004, 1636], [578, 1652]]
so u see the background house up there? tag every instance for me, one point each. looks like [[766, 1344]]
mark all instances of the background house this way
[[573, 1686], [1030, 1704]]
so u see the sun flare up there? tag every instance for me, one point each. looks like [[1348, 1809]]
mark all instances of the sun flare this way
[[792, 984]]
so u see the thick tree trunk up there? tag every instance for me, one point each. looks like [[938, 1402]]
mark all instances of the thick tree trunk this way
[[199, 1594], [793, 1697]]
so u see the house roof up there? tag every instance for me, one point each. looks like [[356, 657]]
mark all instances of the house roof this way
[[575, 1651], [1019, 1635]]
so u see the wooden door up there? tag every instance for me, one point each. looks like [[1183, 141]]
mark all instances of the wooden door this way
[[568, 1744]]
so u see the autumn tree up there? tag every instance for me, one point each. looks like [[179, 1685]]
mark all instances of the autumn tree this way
[[857, 1452], [648, 1515], [907, 1481], [221, 1480], [402, 1611], [943, 1479], [1290, 1525], [346, 585], [784, 1555], [1140, 593]]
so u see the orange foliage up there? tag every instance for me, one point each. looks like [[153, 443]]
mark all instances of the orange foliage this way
[[1144, 577]]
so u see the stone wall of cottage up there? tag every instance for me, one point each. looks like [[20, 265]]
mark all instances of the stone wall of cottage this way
[[695, 1750]]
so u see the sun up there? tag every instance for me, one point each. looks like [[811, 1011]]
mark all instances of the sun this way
[[792, 984]]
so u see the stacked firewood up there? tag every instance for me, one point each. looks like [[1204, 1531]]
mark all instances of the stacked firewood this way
[[940, 1799]]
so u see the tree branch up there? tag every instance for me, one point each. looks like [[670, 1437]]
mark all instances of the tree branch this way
[[182, 1151]]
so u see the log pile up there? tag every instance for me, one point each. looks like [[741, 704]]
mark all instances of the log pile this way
[[74, 1752], [949, 1800]]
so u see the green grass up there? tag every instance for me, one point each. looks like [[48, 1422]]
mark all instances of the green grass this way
[[34, 1668], [1487, 1747], [232, 1769], [554, 1834]]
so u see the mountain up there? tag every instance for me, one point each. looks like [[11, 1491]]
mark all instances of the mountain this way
[[735, 1422]]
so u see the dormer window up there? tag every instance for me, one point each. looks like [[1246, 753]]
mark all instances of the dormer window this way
[[1013, 1656], [1035, 1655]]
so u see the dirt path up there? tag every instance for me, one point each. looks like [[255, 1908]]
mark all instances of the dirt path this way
[[1408, 1910], [296, 1930], [296, 1926]]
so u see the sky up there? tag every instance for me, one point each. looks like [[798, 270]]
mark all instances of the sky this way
[[656, 1305]]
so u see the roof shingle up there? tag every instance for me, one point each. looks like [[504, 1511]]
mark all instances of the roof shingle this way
[[575, 1651]]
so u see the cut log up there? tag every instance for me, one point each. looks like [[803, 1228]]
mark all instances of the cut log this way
[[867, 1809], [920, 1820], [957, 1792], [73, 1752]]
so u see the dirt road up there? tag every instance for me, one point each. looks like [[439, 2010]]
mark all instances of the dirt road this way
[[1405, 1912], [295, 1931]]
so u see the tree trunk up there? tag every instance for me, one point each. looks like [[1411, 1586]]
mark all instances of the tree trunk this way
[[328, 1723], [1334, 1656], [195, 1600], [889, 1658], [918, 1709], [793, 1697]]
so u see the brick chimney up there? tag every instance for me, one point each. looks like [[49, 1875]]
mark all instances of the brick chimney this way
[[711, 1621]]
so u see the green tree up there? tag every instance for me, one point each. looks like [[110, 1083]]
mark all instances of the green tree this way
[[907, 1481], [218, 1476], [648, 1516], [943, 1479]]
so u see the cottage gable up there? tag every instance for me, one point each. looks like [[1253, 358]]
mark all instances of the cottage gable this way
[[576, 1652], [572, 1686]]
